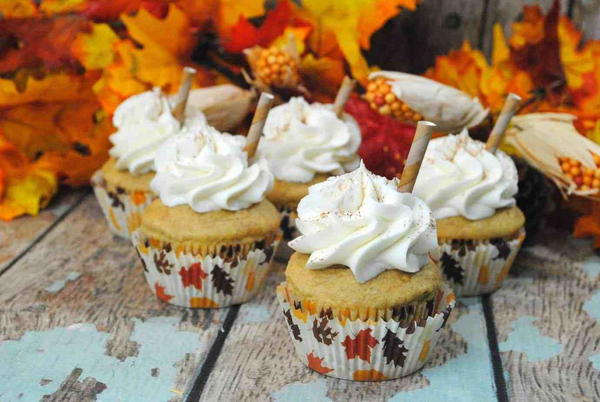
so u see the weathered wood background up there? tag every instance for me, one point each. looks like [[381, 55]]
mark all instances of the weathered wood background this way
[[78, 322]]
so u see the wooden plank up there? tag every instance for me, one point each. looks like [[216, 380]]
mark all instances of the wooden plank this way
[[17, 235], [78, 320], [411, 41], [258, 362], [548, 322], [586, 14], [505, 12]]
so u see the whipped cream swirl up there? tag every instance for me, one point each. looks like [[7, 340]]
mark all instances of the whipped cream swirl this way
[[301, 140], [360, 220], [143, 123], [460, 177], [209, 171]]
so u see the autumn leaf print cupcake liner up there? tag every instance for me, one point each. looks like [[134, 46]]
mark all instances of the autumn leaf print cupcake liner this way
[[122, 209], [364, 349], [198, 276], [288, 222], [476, 267]]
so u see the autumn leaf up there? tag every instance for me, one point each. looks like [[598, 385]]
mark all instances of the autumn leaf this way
[[95, 49], [322, 332], [25, 188], [31, 43], [385, 141], [360, 346], [322, 76], [452, 269], [352, 23], [193, 276], [393, 349], [221, 280], [18, 9], [228, 13], [316, 363], [109, 10], [293, 327], [161, 294]]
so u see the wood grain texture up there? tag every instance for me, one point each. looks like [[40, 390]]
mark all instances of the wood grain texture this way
[[17, 235], [547, 335], [81, 279], [258, 361], [411, 41]]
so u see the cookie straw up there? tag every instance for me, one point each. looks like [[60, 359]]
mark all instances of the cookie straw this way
[[415, 156], [343, 95], [511, 104], [258, 122], [184, 91]]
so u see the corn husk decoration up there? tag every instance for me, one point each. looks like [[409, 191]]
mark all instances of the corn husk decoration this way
[[225, 106], [411, 98], [550, 143]]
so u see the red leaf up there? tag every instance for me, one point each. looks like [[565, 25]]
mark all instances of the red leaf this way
[[109, 10], [316, 363], [542, 59], [32, 42], [160, 293], [193, 276], [360, 346], [385, 141], [244, 35]]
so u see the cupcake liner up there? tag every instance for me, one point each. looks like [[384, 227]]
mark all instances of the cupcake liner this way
[[288, 222], [364, 350], [219, 276], [476, 267], [122, 209]]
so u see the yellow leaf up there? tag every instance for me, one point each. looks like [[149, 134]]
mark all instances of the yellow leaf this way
[[27, 194], [230, 11], [52, 88], [17, 8], [51, 7], [95, 50]]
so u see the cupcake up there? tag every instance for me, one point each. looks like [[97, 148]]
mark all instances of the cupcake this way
[[122, 185], [304, 144], [471, 192], [208, 239], [363, 299]]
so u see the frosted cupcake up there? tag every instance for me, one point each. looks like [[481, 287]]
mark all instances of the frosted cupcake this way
[[304, 144], [363, 299], [471, 193], [122, 185], [207, 241]]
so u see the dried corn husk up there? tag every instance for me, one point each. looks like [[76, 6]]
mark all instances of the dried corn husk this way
[[541, 138], [449, 108], [225, 106]]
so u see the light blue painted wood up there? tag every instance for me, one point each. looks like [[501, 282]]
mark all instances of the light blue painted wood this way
[[468, 377], [57, 286], [54, 354], [527, 339]]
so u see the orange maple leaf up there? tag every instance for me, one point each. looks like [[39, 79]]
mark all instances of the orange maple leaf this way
[[193, 276], [360, 346], [316, 363], [161, 294]]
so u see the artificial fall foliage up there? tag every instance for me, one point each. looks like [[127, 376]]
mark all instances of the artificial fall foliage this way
[[67, 65]]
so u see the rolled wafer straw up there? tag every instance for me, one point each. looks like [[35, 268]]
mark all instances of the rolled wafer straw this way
[[415, 156], [184, 91], [511, 105], [343, 95], [258, 122]]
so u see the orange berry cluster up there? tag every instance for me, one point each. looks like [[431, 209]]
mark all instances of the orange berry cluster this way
[[584, 178], [277, 67], [381, 99]]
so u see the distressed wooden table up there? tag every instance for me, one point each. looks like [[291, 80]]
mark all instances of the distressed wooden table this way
[[78, 323]]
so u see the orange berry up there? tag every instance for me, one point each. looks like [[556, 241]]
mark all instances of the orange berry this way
[[565, 166], [405, 107], [578, 181], [574, 171], [385, 110], [379, 100], [385, 88], [395, 106], [585, 188], [417, 117], [587, 171], [587, 180], [597, 173], [369, 96], [575, 162], [596, 183], [372, 86], [389, 97]]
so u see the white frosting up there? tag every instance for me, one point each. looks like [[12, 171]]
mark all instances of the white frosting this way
[[360, 220], [460, 177], [302, 139], [449, 108], [143, 123], [209, 171]]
